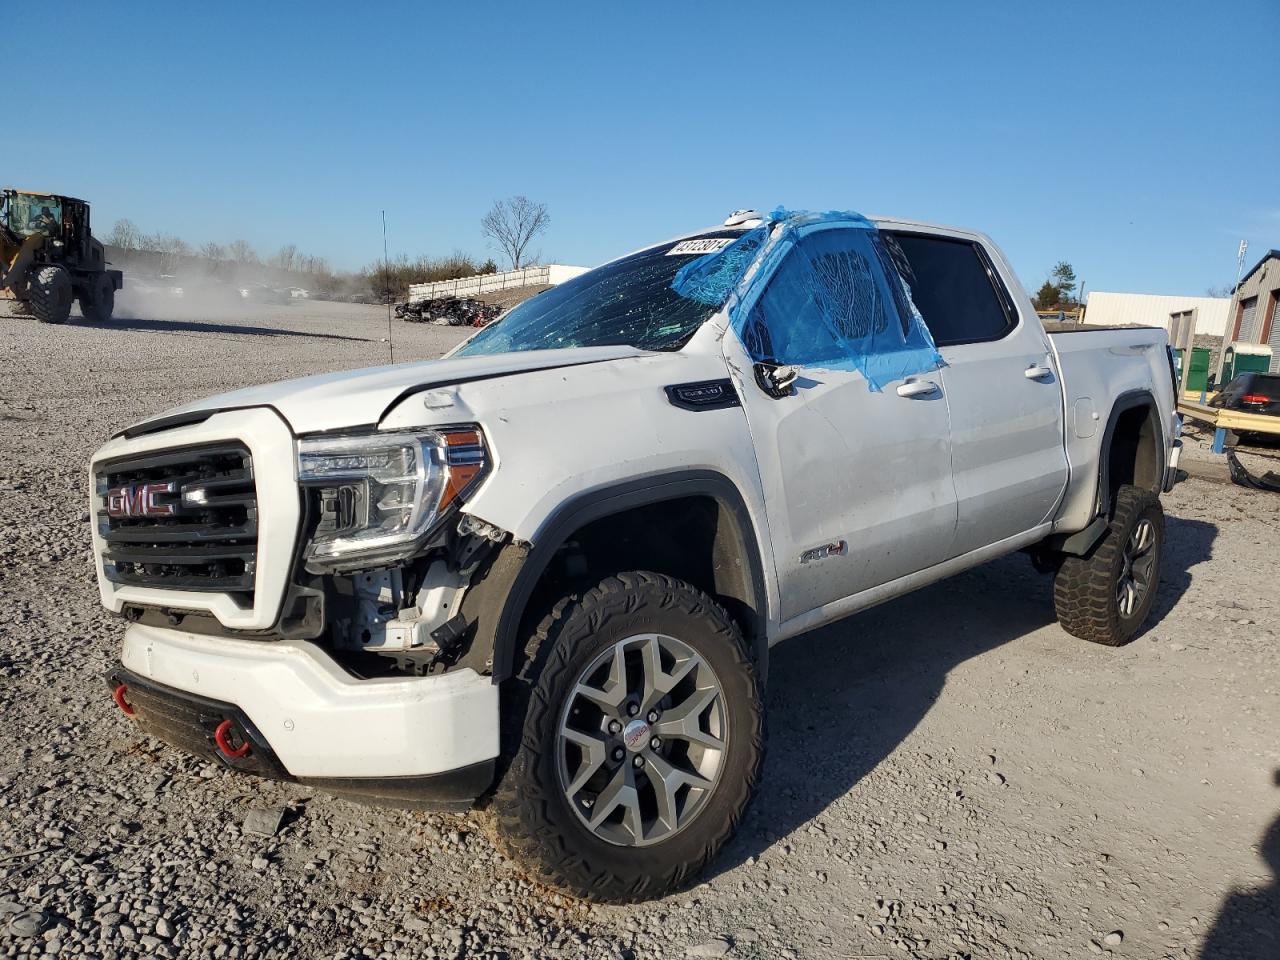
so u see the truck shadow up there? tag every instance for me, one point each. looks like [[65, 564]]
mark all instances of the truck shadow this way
[[207, 326], [842, 698], [1186, 543], [1248, 925]]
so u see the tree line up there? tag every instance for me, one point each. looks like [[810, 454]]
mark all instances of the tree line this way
[[511, 224], [1059, 291]]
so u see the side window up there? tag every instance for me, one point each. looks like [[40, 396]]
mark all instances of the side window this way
[[953, 287], [826, 302]]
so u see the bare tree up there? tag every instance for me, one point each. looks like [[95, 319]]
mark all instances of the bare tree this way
[[213, 251], [286, 258], [513, 223], [241, 252], [124, 235], [173, 250]]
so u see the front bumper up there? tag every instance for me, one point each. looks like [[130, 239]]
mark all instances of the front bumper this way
[[304, 718]]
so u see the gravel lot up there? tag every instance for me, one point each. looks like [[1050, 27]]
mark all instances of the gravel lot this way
[[950, 775]]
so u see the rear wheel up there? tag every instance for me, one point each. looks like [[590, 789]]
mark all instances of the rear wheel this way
[[635, 739], [98, 301], [49, 295], [1105, 597]]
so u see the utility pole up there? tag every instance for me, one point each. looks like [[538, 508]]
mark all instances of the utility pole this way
[[386, 286]]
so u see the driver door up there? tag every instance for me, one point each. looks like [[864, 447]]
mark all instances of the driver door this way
[[857, 482]]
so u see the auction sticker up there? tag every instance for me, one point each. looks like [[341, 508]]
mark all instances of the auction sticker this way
[[704, 245]]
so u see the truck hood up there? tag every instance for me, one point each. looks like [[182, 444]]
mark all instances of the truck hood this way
[[353, 398]]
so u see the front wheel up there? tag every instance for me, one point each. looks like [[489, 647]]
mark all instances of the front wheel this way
[[1105, 596], [635, 740], [49, 295]]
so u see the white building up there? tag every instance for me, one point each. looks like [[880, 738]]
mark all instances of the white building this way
[[1154, 310]]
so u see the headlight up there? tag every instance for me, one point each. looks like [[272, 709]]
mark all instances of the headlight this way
[[380, 493]]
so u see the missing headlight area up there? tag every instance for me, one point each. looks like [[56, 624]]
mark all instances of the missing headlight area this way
[[411, 621], [409, 618]]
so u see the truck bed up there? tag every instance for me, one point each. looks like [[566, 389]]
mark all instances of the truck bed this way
[[1100, 367]]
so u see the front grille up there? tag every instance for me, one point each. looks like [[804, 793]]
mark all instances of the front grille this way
[[180, 519]]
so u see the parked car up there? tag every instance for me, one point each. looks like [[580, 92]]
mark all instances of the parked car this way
[[1251, 393], [156, 287], [261, 293], [546, 571]]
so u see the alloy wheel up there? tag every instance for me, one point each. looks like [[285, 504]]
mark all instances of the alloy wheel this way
[[642, 739], [1137, 567]]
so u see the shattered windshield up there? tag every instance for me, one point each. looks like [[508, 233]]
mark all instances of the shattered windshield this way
[[30, 214], [628, 302]]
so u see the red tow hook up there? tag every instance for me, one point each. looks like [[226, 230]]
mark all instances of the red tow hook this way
[[118, 695], [220, 738]]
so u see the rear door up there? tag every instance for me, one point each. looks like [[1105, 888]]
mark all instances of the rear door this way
[[857, 481], [1002, 388]]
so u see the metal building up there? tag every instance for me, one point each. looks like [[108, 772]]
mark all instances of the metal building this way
[[1255, 308], [1154, 310]]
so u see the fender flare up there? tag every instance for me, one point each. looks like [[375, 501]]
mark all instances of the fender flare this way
[[1129, 400], [517, 571]]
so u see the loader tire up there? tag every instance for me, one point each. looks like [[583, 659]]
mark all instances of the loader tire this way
[[98, 301], [596, 724], [1104, 597], [49, 295]]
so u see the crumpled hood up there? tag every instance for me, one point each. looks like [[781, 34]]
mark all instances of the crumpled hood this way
[[351, 398]]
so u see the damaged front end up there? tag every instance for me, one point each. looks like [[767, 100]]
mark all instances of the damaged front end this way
[[385, 557], [373, 675], [393, 553], [422, 616]]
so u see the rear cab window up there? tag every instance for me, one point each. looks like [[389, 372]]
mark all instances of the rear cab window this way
[[955, 287], [1266, 385]]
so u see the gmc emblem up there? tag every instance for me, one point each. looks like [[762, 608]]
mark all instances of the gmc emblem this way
[[139, 500]]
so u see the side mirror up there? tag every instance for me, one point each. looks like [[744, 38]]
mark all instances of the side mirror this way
[[776, 380]]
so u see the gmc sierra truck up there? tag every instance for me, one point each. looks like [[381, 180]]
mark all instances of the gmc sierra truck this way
[[542, 575]]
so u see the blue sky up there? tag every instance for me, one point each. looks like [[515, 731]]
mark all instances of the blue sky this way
[[1137, 140]]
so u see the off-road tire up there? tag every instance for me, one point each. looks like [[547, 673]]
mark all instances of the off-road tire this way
[[98, 302], [530, 817], [49, 295], [1085, 588]]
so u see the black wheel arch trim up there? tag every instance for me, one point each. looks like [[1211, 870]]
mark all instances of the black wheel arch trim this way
[[619, 498], [1129, 400]]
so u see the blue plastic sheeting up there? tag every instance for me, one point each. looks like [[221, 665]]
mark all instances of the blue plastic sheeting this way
[[824, 294], [711, 278]]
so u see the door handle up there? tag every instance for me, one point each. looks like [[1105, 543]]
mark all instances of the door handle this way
[[917, 388], [1034, 372]]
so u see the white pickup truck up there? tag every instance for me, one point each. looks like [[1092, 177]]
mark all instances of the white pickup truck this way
[[543, 574]]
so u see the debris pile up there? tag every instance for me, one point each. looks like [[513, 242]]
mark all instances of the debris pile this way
[[1240, 475], [449, 311]]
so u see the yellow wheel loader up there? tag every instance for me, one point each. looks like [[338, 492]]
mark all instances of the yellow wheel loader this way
[[48, 257]]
